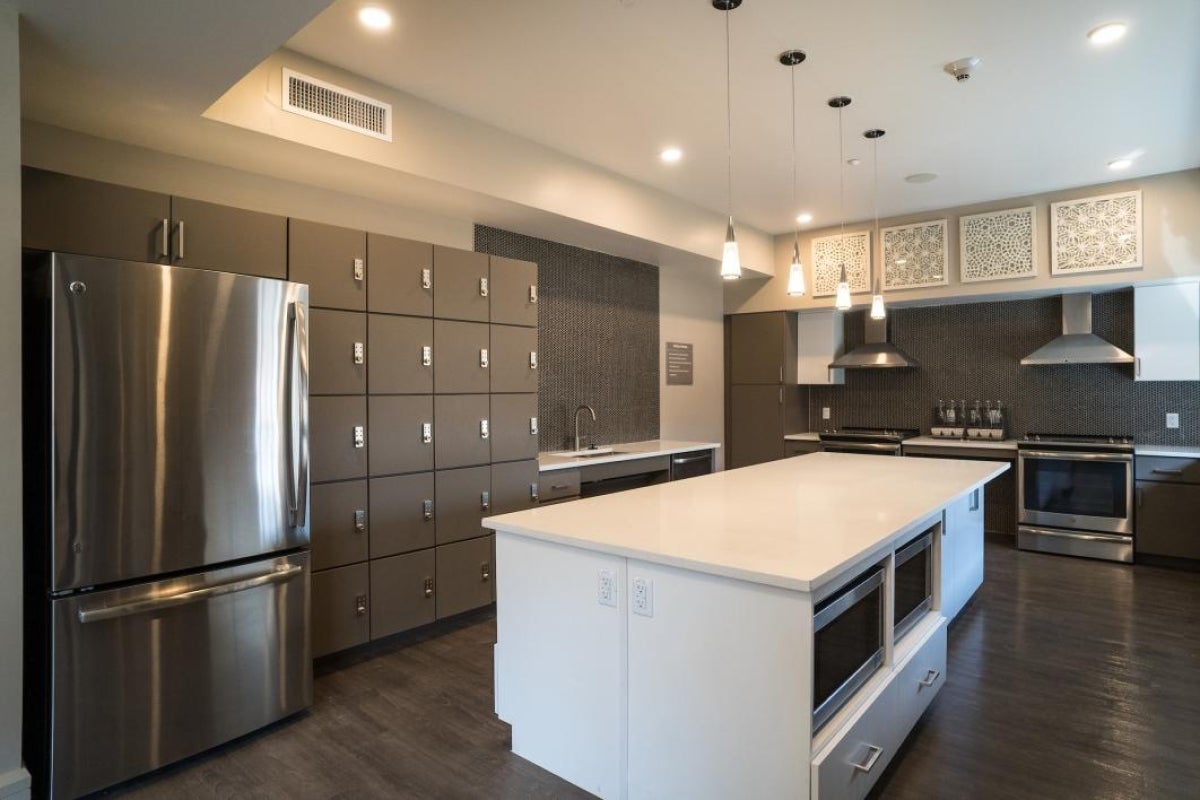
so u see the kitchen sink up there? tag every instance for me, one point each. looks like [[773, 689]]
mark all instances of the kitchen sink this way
[[585, 452]]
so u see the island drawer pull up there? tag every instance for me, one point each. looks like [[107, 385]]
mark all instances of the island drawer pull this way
[[1167, 471], [930, 678], [873, 754], [558, 487], [689, 459]]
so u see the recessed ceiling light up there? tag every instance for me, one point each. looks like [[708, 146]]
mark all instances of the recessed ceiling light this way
[[1118, 164], [375, 18], [854, 162], [671, 155], [804, 218], [921, 177], [1107, 33]]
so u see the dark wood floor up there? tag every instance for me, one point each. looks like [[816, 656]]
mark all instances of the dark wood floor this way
[[1067, 679]]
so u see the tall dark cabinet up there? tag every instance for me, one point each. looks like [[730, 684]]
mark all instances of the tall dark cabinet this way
[[762, 401]]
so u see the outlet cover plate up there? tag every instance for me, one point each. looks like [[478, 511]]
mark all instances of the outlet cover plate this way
[[606, 588], [642, 599], [1172, 421], [824, 412]]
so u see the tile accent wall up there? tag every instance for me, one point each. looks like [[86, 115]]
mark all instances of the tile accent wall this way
[[597, 339], [973, 351]]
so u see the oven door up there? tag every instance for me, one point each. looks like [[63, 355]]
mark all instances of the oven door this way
[[864, 448], [847, 643], [1081, 491]]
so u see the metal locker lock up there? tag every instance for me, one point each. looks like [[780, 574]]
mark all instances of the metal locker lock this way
[[429, 587], [483, 288], [533, 426], [360, 353], [533, 359], [426, 356], [485, 501], [360, 605], [483, 429], [485, 572], [360, 521], [360, 270], [483, 358], [533, 491], [426, 278], [427, 510], [426, 432], [360, 437], [533, 292]]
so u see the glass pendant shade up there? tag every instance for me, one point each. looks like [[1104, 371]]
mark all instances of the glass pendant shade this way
[[795, 284], [731, 262], [877, 309], [841, 298]]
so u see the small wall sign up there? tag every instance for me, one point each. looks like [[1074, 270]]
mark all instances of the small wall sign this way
[[679, 364]]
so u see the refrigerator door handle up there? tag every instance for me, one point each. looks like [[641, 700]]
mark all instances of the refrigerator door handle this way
[[297, 422], [101, 613]]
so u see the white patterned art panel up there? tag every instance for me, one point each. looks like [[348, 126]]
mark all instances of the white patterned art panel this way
[[998, 245], [1096, 234], [828, 253], [915, 255]]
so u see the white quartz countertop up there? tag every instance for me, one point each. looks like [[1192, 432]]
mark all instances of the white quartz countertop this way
[[629, 451], [982, 444], [793, 523], [811, 436], [1169, 450]]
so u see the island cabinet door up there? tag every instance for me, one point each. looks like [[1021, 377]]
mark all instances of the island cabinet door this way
[[962, 553], [688, 694], [401, 276], [465, 576]]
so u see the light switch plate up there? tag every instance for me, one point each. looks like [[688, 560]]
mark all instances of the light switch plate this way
[[1172, 421], [824, 412]]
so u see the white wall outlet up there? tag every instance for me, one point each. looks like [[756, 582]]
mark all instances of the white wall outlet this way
[[824, 412], [642, 601], [1172, 421], [606, 589]]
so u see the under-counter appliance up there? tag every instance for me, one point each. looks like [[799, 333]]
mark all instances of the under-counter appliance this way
[[1075, 495], [848, 642], [167, 526], [913, 583], [869, 441]]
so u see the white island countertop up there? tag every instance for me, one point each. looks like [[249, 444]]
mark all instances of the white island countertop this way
[[629, 451], [793, 523]]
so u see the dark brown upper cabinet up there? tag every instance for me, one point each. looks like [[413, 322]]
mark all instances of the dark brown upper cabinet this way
[[332, 261], [514, 291], [401, 354], [75, 215], [462, 290], [514, 359], [337, 352], [463, 357], [211, 236], [763, 348], [401, 276]]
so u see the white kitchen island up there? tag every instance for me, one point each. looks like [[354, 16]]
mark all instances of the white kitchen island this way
[[659, 643]]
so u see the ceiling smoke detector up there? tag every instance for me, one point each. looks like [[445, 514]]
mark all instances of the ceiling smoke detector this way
[[961, 70]]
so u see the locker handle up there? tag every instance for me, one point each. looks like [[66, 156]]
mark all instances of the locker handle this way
[[426, 278], [426, 356], [533, 491], [533, 426], [483, 429], [427, 510], [360, 605], [533, 359], [360, 353], [483, 358], [360, 521], [360, 437], [483, 287], [426, 432], [533, 292], [429, 587], [485, 501], [360, 270], [485, 572]]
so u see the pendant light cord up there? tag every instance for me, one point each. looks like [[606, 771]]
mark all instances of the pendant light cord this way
[[875, 204], [728, 124], [795, 195], [842, 190]]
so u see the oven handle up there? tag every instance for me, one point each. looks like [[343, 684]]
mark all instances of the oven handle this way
[[1074, 456], [859, 447], [914, 548], [847, 599], [1110, 538]]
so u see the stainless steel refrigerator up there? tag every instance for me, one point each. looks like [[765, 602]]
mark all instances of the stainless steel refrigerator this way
[[166, 439]]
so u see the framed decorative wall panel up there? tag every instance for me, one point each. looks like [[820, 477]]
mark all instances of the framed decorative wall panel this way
[[1096, 234], [827, 255], [997, 246], [915, 255]]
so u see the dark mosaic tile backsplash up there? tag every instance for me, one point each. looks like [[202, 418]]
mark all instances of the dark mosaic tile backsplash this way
[[597, 340], [973, 352]]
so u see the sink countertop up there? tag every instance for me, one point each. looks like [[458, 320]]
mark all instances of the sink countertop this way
[[811, 436], [628, 451]]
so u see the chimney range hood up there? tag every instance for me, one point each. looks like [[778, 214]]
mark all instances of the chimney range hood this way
[[1077, 345], [876, 352]]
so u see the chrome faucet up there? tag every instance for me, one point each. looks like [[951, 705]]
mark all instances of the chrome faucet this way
[[582, 408]]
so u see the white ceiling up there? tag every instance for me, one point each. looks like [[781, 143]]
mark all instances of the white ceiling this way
[[614, 81]]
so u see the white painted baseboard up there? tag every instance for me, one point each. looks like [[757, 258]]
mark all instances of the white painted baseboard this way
[[14, 785]]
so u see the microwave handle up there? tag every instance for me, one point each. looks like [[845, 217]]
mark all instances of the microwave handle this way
[[847, 599]]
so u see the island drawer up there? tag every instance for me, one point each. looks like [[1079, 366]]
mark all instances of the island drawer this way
[[1169, 470], [559, 484], [850, 766], [920, 680]]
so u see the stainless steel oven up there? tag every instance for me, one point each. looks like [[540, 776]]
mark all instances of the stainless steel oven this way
[[848, 636], [1075, 496], [913, 583], [867, 441]]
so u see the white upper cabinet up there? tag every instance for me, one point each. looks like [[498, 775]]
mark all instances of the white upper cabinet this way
[[818, 342], [1166, 330]]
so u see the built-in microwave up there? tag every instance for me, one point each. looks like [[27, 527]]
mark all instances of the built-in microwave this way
[[913, 583], [848, 642]]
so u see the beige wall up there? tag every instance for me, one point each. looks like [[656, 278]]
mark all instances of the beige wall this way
[[14, 782], [1171, 249], [689, 310]]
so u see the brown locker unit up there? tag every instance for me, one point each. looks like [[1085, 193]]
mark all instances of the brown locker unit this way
[[212, 236], [463, 357], [332, 261], [514, 486], [514, 292], [401, 276], [337, 352], [462, 285], [514, 359], [339, 524], [402, 354], [403, 593], [338, 438], [464, 498], [514, 427], [463, 430], [403, 514], [465, 578], [403, 434], [341, 616]]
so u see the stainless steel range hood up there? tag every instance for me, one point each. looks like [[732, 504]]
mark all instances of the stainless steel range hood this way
[[1077, 345], [876, 352]]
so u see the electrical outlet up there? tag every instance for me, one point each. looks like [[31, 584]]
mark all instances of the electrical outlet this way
[[1172, 421], [606, 589], [642, 601], [824, 412]]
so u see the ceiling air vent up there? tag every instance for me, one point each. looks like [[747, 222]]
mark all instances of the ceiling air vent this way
[[334, 105]]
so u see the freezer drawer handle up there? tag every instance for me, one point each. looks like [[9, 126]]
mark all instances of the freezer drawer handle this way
[[360, 270], [483, 289], [278, 575], [426, 278], [429, 587]]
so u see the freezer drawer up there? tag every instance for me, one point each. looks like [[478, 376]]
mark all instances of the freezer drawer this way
[[146, 675]]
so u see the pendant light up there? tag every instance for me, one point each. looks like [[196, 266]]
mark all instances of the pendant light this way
[[878, 310], [795, 284], [841, 297], [731, 262]]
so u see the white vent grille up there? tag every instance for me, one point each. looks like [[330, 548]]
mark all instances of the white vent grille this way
[[316, 99]]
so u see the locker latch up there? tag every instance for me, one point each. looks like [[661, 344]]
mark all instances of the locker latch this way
[[426, 432], [427, 279], [533, 292], [360, 270], [485, 501], [360, 436], [360, 605], [429, 587], [426, 356], [485, 572], [533, 426], [483, 290], [533, 492], [360, 353], [427, 510], [360, 521], [483, 358], [483, 429], [533, 359]]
